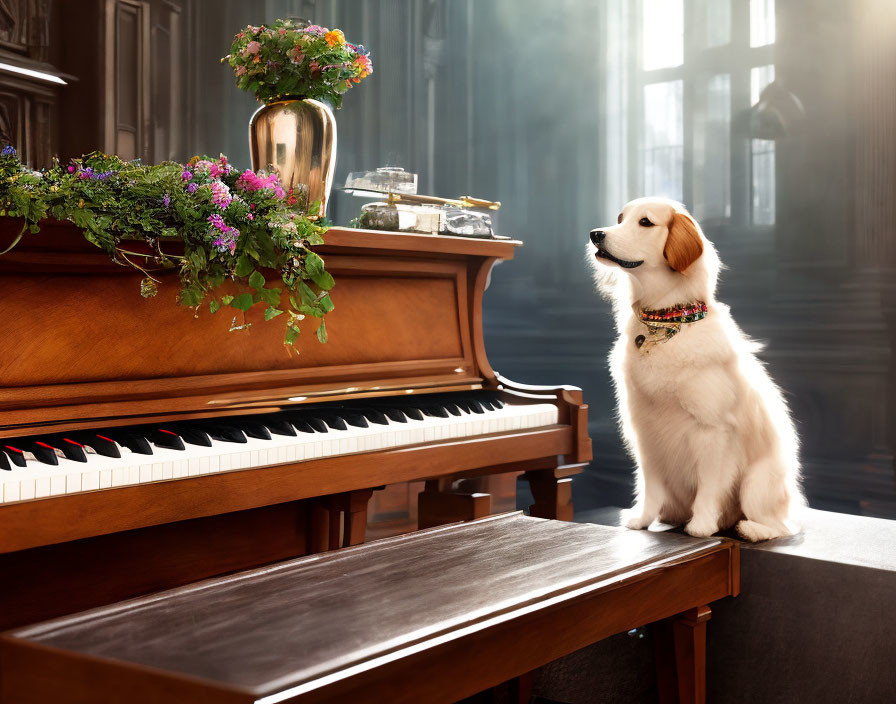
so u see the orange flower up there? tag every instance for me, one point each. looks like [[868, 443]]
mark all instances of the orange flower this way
[[335, 37]]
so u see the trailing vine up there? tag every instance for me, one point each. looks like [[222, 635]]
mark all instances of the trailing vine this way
[[233, 226]]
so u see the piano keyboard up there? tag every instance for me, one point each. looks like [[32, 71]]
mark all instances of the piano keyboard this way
[[42, 466]]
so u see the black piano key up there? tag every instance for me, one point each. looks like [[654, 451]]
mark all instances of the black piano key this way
[[192, 435], [43, 452], [461, 403], [304, 426], [340, 421], [394, 414], [163, 437], [277, 425], [397, 409], [252, 428], [101, 444], [306, 422], [130, 439], [486, 403], [451, 407], [475, 406], [373, 415], [72, 449], [4, 462], [223, 432], [16, 456], [434, 410]]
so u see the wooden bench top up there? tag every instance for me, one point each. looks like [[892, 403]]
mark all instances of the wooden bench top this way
[[430, 616]]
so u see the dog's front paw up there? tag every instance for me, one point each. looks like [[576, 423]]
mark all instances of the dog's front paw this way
[[702, 526], [634, 519]]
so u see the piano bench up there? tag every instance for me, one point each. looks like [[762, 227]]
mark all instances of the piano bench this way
[[432, 616]]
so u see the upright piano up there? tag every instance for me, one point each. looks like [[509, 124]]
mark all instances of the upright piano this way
[[144, 445]]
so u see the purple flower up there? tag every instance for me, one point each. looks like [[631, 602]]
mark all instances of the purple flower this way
[[217, 221], [191, 188], [166, 200], [71, 168], [8, 150], [86, 174], [186, 175]]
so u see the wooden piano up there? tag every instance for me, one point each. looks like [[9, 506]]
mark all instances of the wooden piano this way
[[142, 448]]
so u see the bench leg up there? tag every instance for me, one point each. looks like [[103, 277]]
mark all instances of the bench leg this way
[[437, 505], [552, 491], [681, 657], [338, 521]]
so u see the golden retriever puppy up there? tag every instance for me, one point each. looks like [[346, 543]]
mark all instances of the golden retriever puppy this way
[[712, 437]]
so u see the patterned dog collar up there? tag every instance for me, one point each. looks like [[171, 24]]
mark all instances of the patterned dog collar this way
[[663, 324]]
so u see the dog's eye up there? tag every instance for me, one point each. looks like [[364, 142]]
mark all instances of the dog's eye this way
[[644, 222], [619, 219]]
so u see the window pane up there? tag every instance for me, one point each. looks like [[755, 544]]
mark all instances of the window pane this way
[[661, 152], [662, 38], [712, 149], [712, 23], [762, 22], [760, 77], [763, 158]]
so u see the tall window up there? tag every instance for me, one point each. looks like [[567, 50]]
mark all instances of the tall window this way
[[698, 65]]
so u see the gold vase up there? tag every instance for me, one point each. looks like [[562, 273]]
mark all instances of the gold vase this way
[[296, 138]]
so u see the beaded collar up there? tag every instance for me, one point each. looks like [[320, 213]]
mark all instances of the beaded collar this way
[[665, 323]]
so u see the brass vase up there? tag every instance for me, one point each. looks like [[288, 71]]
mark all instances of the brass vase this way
[[297, 139]]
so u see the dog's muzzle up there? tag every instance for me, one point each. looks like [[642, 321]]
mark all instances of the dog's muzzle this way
[[597, 239]]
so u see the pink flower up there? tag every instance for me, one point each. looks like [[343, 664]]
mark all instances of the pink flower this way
[[221, 194], [252, 48], [240, 71]]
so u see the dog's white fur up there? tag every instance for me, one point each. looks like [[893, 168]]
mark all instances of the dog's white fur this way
[[711, 434]]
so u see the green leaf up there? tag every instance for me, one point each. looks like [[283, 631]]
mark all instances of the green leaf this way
[[313, 264], [256, 281], [323, 279], [271, 296], [226, 300], [322, 332], [190, 296], [326, 304], [213, 306], [244, 266], [272, 312], [292, 332], [243, 302]]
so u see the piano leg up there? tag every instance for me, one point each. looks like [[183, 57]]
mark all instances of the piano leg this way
[[552, 491], [338, 521], [437, 505], [680, 644]]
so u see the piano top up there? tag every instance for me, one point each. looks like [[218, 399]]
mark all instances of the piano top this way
[[83, 349]]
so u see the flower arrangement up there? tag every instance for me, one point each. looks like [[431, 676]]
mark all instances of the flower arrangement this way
[[232, 225], [286, 60]]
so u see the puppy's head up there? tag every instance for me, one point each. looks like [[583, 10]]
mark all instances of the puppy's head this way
[[660, 245], [650, 232]]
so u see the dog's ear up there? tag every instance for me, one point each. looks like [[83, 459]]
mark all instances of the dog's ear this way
[[683, 244]]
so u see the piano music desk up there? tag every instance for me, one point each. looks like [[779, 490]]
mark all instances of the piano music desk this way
[[433, 616]]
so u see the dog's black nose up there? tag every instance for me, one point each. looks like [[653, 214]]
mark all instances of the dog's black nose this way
[[597, 236]]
